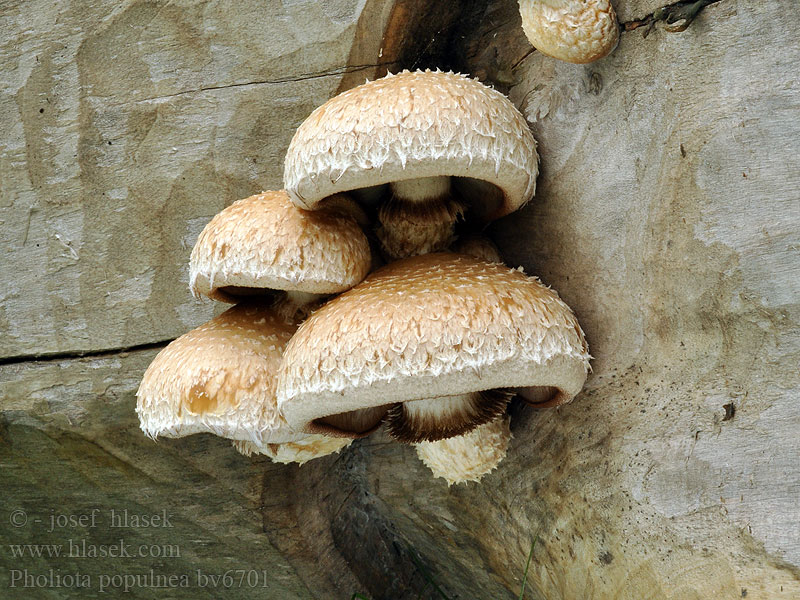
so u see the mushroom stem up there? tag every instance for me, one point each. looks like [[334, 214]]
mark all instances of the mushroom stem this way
[[295, 306], [421, 189], [434, 419], [419, 218], [470, 456]]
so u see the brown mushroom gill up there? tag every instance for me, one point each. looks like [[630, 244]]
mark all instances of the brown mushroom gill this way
[[351, 424], [434, 419]]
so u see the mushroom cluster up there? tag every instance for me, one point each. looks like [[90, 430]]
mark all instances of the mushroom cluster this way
[[321, 346]]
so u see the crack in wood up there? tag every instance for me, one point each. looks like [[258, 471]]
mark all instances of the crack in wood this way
[[82, 354], [244, 84]]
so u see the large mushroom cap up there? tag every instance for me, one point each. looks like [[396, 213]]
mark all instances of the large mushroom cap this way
[[416, 125], [265, 242], [431, 326], [576, 31], [219, 378]]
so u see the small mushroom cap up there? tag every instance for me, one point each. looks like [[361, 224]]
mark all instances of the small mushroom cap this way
[[470, 456], [266, 242], [428, 326], [576, 31], [219, 378], [300, 451], [414, 125]]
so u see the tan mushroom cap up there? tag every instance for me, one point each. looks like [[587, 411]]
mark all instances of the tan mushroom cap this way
[[300, 451], [576, 31], [470, 456], [415, 125], [219, 378], [428, 326], [266, 242]]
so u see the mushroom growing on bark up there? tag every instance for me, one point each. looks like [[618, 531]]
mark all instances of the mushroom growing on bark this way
[[264, 245], [277, 260], [220, 378], [441, 336], [576, 31], [470, 456], [446, 145]]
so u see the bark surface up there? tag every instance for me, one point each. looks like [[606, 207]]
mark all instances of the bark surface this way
[[667, 216]]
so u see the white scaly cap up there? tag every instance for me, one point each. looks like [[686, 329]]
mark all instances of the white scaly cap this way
[[264, 242], [219, 378], [416, 125]]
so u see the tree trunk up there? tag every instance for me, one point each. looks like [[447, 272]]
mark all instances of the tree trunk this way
[[667, 215]]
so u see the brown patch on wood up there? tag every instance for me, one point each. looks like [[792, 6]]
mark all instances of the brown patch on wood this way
[[730, 411]]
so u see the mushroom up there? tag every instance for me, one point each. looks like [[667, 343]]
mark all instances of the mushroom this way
[[442, 337], [446, 145], [470, 456], [264, 243], [219, 378], [576, 31]]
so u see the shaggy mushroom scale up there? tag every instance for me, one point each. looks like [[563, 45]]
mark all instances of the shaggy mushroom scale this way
[[219, 378], [470, 456]]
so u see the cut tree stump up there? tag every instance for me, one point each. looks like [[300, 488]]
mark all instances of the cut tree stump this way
[[667, 215]]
